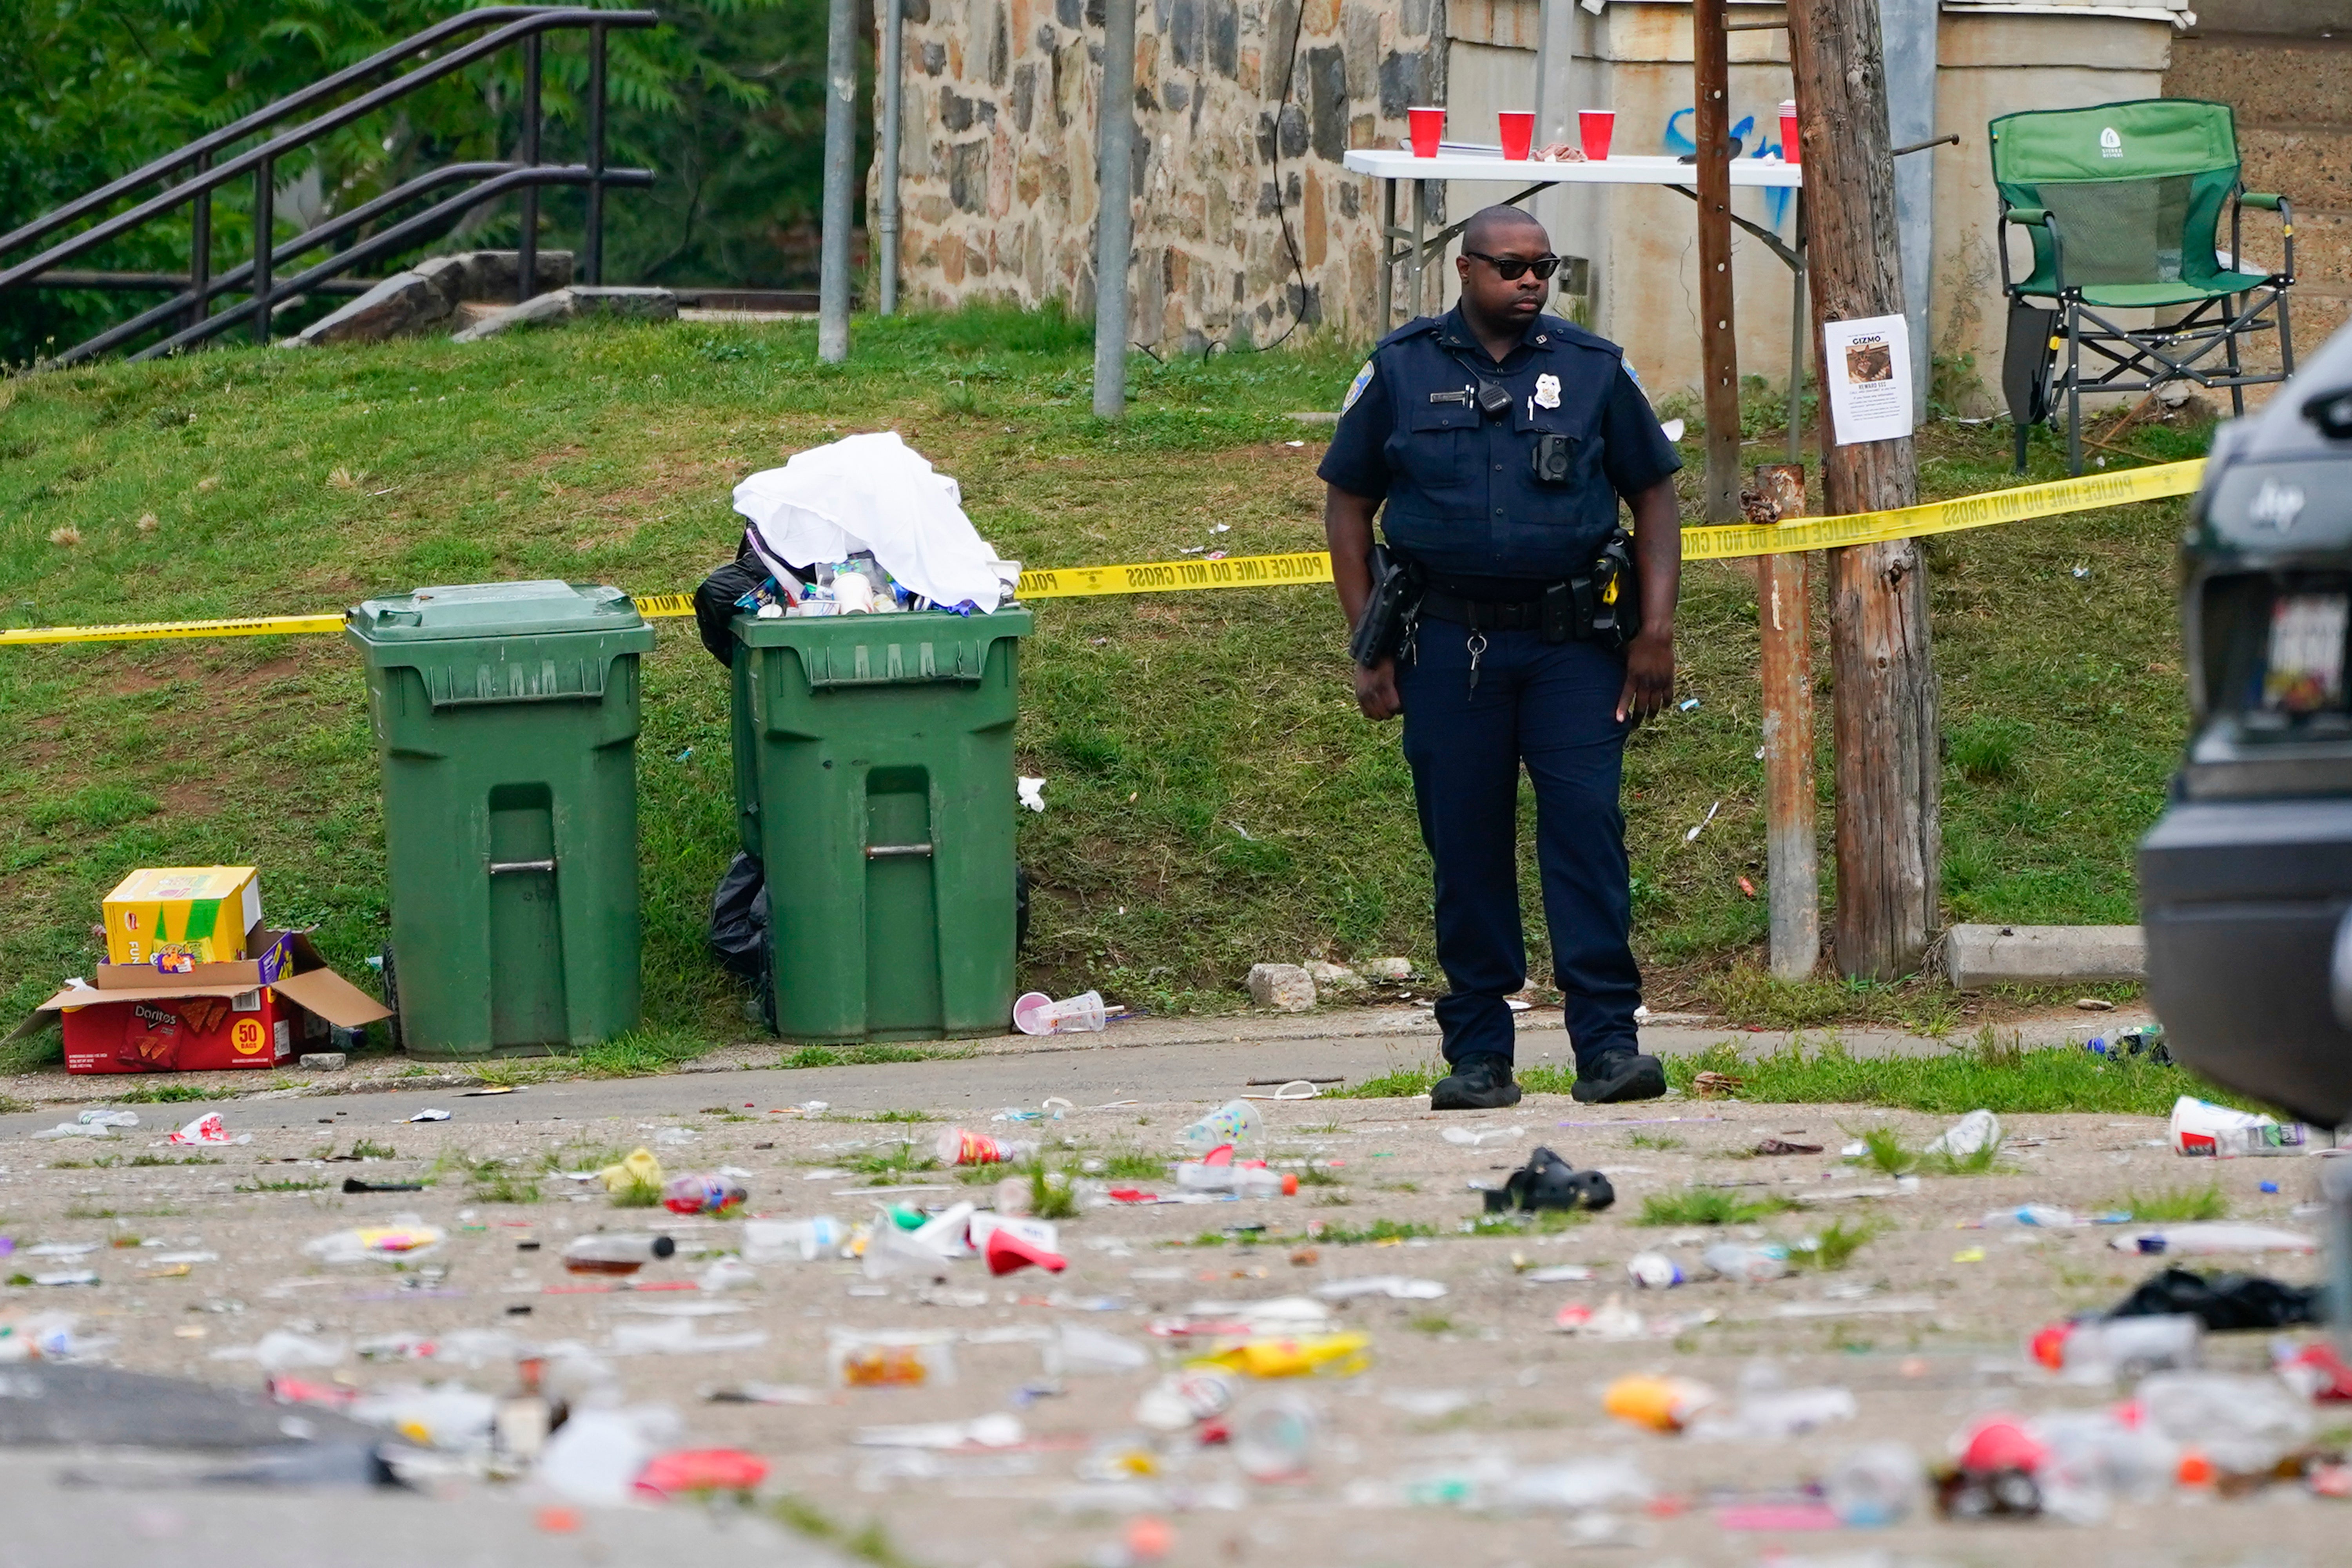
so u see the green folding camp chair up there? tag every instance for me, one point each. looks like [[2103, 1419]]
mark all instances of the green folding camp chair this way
[[2122, 202]]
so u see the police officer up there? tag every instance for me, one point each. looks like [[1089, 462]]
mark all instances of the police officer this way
[[1496, 442]]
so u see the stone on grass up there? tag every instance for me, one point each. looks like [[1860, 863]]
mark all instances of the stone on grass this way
[[405, 302], [322, 1061], [1333, 978], [1389, 968], [1283, 986]]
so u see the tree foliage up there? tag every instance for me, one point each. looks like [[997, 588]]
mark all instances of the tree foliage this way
[[723, 101]]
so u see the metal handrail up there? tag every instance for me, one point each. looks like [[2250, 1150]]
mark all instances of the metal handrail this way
[[524, 23]]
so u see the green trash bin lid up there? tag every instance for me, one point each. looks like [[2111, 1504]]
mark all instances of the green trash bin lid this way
[[493, 610]]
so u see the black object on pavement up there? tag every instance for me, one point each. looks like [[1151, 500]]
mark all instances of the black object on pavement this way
[[1547, 1181], [2224, 1302], [353, 1184]]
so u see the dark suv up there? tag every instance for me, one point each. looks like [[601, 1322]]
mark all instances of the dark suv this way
[[2246, 880]]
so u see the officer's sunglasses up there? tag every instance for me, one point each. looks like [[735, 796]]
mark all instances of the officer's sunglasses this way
[[1512, 266]]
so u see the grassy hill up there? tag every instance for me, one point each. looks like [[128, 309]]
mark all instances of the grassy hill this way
[[1213, 799]]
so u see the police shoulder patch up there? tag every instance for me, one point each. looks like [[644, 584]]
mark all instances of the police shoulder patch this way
[[1356, 388]]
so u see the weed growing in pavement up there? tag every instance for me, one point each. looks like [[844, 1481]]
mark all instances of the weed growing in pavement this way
[[636, 1054], [1706, 1206], [866, 1055], [1377, 1231], [1048, 1198], [637, 1195], [138, 1160], [1431, 1323], [904, 1117], [899, 1160], [2175, 1203], [1335, 1200], [1883, 1150], [1316, 1175], [1984, 1160], [725, 1113], [1836, 1244], [369, 1149], [293, 1184], [580, 1155], [1659, 1141], [1401, 1083], [497, 1181], [169, 1094], [1132, 1164]]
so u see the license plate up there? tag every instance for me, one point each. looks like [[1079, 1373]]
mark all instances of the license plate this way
[[2306, 661]]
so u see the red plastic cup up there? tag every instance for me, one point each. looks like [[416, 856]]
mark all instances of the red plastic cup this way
[[1518, 128], [1788, 134], [1594, 127], [1428, 127]]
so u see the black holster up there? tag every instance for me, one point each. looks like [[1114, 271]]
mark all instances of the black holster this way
[[1389, 613], [1607, 599]]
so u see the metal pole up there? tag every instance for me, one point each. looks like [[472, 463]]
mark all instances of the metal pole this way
[[840, 148], [886, 217], [1387, 256], [526, 252], [1792, 849], [265, 217], [200, 249], [594, 271], [1114, 219]]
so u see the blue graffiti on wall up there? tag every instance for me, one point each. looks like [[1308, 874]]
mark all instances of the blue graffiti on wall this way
[[1679, 142]]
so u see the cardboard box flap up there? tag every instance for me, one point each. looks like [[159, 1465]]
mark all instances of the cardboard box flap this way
[[331, 997], [277, 952], [86, 994]]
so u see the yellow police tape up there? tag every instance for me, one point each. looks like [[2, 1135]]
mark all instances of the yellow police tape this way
[[2053, 499]]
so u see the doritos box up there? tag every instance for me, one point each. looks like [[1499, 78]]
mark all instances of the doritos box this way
[[175, 917], [245, 1012]]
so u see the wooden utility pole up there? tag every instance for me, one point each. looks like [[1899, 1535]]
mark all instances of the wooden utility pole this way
[[1719, 350], [1792, 851], [1889, 819]]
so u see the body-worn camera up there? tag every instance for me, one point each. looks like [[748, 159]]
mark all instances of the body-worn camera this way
[[1554, 458]]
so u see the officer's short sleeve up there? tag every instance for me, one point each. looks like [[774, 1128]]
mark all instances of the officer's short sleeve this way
[[1634, 451], [1357, 462]]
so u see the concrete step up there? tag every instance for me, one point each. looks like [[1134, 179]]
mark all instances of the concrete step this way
[[2270, 82]]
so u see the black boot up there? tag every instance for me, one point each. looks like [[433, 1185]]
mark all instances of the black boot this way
[[1620, 1075], [1476, 1083]]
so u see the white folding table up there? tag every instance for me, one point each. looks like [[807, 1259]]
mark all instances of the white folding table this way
[[1409, 247]]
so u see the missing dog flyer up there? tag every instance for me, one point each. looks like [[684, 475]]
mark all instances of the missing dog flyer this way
[[1869, 366]]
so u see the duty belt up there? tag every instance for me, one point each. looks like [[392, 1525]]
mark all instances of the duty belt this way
[[1485, 614]]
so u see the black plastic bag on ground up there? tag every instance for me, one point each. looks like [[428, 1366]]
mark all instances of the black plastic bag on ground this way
[[2224, 1302]]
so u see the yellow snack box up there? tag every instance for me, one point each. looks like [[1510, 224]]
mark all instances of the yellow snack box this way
[[175, 917]]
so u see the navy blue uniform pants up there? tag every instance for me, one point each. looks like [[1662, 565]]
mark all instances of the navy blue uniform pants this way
[[1553, 709]]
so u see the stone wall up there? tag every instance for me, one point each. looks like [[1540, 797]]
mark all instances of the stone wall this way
[[997, 161]]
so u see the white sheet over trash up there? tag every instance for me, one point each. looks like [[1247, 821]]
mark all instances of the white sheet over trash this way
[[874, 493]]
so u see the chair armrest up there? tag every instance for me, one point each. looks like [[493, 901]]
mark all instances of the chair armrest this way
[[2036, 216], [2269, 202]]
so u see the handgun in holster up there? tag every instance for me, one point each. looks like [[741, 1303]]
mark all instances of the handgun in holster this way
[[1389, 613]]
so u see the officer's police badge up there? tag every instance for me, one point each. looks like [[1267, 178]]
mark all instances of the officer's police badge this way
[[1356, 388], [1546, 392]]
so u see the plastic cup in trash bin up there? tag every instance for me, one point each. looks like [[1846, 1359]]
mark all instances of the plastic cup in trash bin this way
[[1594, 129], [1428, 125], [1518, 127]]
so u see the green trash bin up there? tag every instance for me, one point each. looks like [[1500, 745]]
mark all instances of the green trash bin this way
[[505, 717], [873, 780]]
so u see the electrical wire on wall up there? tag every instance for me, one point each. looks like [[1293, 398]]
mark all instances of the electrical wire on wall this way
[[1281, 205]]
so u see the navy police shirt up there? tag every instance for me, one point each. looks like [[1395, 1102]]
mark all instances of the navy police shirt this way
[[1460, 490]]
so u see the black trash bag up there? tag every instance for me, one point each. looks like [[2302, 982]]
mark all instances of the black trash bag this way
[[1547, 1181], [738, 930], [714, 603], [2224, 1302], [739, 918]]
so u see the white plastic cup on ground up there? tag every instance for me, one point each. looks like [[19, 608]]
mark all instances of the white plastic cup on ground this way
[[1236, 1121]]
